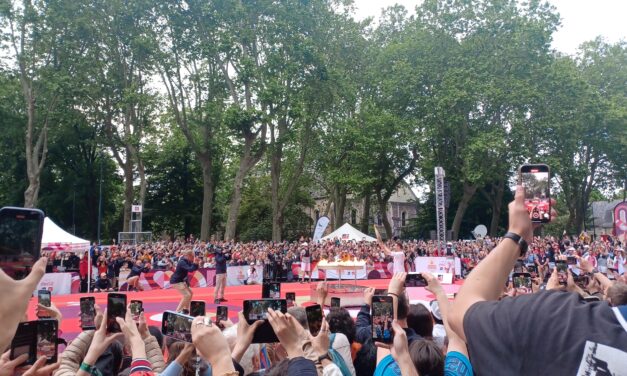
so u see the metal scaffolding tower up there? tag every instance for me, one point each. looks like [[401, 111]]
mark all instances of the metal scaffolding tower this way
[[440, 207]]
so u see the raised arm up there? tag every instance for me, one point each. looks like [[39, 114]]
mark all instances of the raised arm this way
[[487, 278], [384, 247]]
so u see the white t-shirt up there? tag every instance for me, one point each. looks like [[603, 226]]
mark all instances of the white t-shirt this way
[[399, 262], [342, 346]]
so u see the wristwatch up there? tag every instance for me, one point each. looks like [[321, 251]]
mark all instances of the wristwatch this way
[[519, 240], [323, 357]]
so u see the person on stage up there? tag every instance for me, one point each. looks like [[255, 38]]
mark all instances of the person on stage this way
[[305, 262], [136, 272], [220, 258], [180, 279], [398, 255]]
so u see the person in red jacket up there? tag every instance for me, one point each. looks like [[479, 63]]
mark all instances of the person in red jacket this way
[[84, 269]]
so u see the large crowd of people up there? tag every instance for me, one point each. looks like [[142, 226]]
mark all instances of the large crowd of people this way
[[274, 260], [558, 327]]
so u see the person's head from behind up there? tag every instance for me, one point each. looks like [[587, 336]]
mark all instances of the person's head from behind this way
[[617, 294], [340, 321], [419, 319], [427, 357], [403, 307], [300, 315]]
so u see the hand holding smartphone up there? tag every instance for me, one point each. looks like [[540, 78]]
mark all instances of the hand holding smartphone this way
[[536, 179], [382, 317], [43, 298], [255, 310], [116, 307], [36, 339], [562, 270], [177, 325], [137, 307], [522, 283], [314, 318], [415, 279]]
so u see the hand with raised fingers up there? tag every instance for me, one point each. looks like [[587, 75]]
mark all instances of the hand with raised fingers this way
[[211, 345], [51, 312], [433, 284], [100, 342], [519, 217], [397, 284], [322, 290], [368, 294], [41, 369], [554, 282], [8, 366], [288, 331], [245, 333], [19, 294], [321, 342]]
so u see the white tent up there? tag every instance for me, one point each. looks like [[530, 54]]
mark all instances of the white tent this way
[[56, 239], [347, 233]]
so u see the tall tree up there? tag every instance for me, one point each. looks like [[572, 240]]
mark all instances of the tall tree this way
[[35, 41]]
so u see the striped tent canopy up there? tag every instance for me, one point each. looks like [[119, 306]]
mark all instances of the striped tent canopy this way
[[57, 239]]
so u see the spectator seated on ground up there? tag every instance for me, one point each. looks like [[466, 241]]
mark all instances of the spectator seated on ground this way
[[103, 284]]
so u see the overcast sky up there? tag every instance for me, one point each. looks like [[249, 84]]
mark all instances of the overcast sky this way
[[582, 20]]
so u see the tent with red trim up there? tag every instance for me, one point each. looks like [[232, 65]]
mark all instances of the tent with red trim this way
[[57, 239]]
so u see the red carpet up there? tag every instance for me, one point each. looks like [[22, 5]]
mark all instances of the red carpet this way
[[157, 301]]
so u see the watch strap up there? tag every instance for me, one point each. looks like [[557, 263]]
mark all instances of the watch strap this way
[[522, 244], [323, 357]]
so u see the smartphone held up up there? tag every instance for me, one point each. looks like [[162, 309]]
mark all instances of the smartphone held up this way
[[21, 230], [536, 181]]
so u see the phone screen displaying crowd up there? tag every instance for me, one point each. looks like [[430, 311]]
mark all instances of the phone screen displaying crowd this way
[[271, 290], [382, 317], [177, 326], [535, 179], [88, 313], [36, 339], [258, 309]]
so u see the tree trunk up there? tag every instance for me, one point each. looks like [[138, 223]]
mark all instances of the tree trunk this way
[[497, 205], [275, 173], [339, 205], [365, 219], [36, 151], [469, 192], [236, 200], [207, 196], [383, 206], [128, 196], [142, 181]]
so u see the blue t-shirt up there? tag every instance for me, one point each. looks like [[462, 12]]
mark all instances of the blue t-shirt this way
[[457, 364], [387, 367]]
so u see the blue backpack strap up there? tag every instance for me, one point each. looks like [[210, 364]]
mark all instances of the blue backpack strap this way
[[331, 339]]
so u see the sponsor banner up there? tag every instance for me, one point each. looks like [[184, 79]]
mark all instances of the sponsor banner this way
[[56, 283], [435, 265], [620, 220], [160, 279], [322, 224], [236, 275], [380, 270]]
